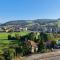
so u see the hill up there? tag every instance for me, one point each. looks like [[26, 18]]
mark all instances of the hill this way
[[28, 22]]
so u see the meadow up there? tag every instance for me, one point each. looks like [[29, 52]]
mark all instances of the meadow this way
[[4, 35]]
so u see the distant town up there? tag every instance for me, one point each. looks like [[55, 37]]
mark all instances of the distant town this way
[[39, 25]]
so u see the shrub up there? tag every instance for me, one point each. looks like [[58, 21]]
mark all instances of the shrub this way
[[53, 43], [9, 37], [41, 46]]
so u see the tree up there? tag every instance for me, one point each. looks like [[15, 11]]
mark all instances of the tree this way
[[41, 46], [26, 50], [32, 36], [23, 49], [9, 37], [43, 36], [17, 36], [7, 55], [53, 43], [50, 36]]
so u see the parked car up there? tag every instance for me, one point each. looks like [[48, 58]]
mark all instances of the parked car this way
[[57, 46]]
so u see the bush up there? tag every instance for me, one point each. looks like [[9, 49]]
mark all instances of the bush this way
[[53, 43], [43, 36], [26, 50], [9, 37], [17, 36], [41, 46]]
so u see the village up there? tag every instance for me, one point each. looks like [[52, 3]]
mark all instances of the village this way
[[48, 28]]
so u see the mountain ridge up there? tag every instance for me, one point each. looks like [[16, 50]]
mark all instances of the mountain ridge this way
[[25, 22]]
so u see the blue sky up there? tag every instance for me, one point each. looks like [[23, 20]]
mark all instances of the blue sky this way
[[28, 9]]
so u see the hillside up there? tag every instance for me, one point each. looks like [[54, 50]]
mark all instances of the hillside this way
[[29, 22]]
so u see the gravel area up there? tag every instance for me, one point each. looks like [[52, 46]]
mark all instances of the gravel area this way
[[45, 56], [51, 58]]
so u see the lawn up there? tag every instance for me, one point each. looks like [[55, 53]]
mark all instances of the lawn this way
[[4, 35]]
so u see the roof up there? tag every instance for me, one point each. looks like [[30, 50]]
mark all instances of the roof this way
[[33, 44]]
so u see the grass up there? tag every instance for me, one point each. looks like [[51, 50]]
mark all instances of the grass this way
[[4, 35]]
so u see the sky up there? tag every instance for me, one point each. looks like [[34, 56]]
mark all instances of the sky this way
[[29, 9]]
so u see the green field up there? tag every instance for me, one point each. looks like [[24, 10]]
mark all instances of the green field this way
[[4, 35]]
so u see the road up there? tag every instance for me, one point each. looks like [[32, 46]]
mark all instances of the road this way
[[50, 58], [45, 56]]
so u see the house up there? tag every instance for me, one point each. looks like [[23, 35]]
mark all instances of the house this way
[[1, 30], [23, 28], [34, 47]]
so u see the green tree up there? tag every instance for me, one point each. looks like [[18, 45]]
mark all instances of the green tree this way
[[7, 55], [41, 46], [50, 36], [31, 36], [25, 49], [43, 36], [9, 37], [53, 43], [17, 36]]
